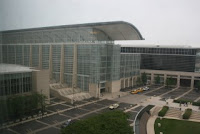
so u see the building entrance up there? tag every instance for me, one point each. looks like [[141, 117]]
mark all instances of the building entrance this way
[[103, 90]]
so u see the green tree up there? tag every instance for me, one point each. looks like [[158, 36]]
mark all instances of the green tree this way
[[157, 79], [113, 122], [170, 81], [144, 78], [138, 81], [17, 106]]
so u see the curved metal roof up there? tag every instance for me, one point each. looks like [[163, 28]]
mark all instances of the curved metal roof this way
[[116, 30]]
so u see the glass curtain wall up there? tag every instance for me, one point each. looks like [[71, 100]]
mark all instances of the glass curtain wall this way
[[45, 56], [197, 62], [11, 54], [19, 54], [35, 55], [68, 63], [130, 65], [83, 64], [56, 55], [173, 59], [26, 50], [11, 84], [1, 55], [55, 35]]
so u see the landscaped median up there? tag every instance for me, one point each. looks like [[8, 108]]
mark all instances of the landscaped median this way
[[184, 101], [163, 111], [187, 113]]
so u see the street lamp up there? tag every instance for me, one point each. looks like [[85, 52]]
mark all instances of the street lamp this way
[[73, 94], [42, 102]]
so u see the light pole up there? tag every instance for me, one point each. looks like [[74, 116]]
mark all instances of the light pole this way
[[98, 90], [42, 101], [73, 94]]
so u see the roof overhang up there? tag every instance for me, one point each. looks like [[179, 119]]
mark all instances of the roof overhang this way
[[116, 30], [120, 30]]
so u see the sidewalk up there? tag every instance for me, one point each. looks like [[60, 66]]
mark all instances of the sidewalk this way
[[150, 125], [114, 95], [158, 102]]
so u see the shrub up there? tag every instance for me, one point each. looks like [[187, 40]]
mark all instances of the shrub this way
[[196, 103], [163, 111], [187, 113]]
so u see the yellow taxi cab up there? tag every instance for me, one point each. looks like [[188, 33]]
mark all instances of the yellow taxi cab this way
[[140, 90], [134, 91]]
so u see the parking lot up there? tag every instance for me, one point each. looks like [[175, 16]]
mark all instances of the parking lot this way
[[192, 95], [60, 111], [159, 92], [176, 93]]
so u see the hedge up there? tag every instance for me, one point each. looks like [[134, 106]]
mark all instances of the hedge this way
[[182, 101], [163, 111], [196, 103], [187, 113]]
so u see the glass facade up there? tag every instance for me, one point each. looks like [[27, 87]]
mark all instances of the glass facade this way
[[197, 63], [19, 54], [45, 56], [1, 56], [146, 50], [35, 55], [26, 55], [172, 59], [56, 55], [68, 63], [129, 65], [11, 84], [55, 35]]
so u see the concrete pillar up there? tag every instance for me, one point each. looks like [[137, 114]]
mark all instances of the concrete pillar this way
[[40, 57], [62, 64], [152, 78], [192, 82], [50, 63], [178, 81], [124, 83], [165, 78], [132, 81], [30, 56], [75, 66], [128, 82]]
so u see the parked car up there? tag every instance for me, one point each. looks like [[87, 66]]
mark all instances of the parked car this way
[[67, 123], [113, 106], [145, 88]]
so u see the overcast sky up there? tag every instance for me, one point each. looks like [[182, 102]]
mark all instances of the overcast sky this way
[[159, 21]]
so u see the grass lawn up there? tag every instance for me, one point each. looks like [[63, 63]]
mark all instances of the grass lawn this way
[[172, 126]]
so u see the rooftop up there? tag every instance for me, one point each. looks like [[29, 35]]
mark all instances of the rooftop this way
[[116, 30], [159, 46], [12, 68]]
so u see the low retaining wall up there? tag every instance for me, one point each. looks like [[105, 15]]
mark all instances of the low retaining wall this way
[[141, 120]]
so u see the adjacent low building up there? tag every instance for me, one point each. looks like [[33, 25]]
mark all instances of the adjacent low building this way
[[18, 79], [180, 63]]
